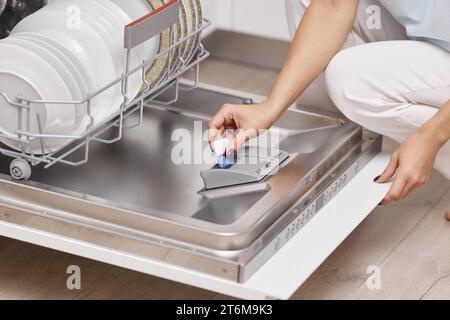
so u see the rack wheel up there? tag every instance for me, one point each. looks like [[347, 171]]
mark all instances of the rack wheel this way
[[20, 169]]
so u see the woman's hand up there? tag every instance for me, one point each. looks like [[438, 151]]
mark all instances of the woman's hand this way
[[411, 164], [330, 21], [239, 123]]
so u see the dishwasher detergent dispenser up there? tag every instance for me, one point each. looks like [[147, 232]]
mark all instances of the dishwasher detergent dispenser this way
[[248, 167]]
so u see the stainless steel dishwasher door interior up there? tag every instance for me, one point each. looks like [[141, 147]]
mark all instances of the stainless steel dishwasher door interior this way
[[138, 174]]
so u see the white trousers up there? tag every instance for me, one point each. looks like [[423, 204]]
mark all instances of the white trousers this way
[[381, 80]]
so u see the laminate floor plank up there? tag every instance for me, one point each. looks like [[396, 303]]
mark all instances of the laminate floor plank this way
[[346, 270], [419, 267]]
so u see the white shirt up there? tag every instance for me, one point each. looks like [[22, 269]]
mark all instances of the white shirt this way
[[427, 20]]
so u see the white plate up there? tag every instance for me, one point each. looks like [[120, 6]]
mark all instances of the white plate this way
[[42, 81], [137, 55], [136, 9], [91, 16], [56, 63], [62, 54], [117, 19], [87, 46], [66, 69], [84, 76]]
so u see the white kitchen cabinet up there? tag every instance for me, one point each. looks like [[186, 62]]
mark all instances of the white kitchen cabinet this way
[[258, 17]]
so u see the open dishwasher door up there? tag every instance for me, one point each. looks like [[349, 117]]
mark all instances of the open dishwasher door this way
[[133, 206]]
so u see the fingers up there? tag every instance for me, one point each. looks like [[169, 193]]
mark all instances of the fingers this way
[[404, 184], [414, 181], [411, 185], [408, 188], [234, 122], [239, 139], [216, 126], [397, 187], [395, 192], [213, 135], [390, 170]]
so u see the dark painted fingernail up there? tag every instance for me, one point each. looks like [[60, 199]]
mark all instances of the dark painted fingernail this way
[[380, 204], [376, 178]]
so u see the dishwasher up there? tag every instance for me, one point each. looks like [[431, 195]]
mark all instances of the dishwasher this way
[[251, 231]]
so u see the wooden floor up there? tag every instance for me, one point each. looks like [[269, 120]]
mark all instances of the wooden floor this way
[[409, 241]]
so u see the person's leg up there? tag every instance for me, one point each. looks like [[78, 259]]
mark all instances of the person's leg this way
[[363, 31], [392, 87]]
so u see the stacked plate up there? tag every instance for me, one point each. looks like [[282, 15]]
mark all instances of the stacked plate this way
[[191, 19], [71, 49], [66, 51]]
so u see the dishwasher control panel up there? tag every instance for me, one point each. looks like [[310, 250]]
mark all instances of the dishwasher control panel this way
[[247, 168], [305, 215], [303, 212]]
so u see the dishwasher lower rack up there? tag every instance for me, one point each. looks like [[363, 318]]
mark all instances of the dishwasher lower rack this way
[[139, 202], [135, 33]]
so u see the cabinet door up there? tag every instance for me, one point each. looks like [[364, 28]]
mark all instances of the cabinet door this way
[[219, 12], [259, 17]]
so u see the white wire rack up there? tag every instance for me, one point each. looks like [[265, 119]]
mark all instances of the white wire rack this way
[[135, 33]]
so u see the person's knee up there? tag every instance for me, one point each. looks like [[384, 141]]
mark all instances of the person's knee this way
[[343, 85]]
